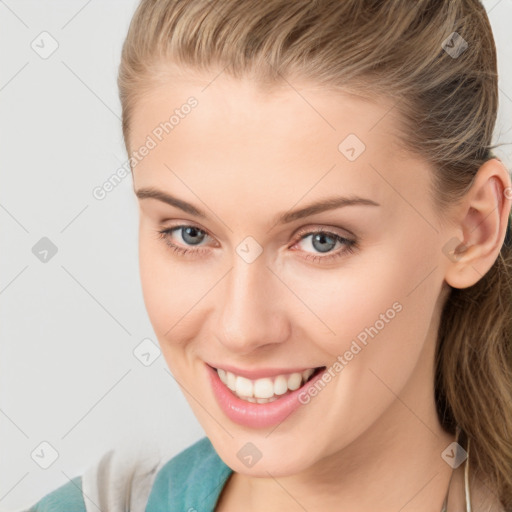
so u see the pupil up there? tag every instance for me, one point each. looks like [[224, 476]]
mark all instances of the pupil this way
[[189, 233], [321, 237]]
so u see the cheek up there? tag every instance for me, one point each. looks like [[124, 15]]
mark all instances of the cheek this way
[[381, 308], [409, 339], [378, 305], [162, 283], [172, 290]]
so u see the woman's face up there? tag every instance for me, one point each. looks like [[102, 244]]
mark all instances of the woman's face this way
[[257, 290]]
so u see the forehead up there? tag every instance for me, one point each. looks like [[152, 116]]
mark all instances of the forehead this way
[[242, 101], [220, 131]]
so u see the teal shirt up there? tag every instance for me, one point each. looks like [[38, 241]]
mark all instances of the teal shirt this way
[[191, 481]]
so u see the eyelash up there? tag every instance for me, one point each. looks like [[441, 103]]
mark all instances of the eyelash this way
[[350, 245]]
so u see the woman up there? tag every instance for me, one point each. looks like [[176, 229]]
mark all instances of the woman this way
[[325, 256]]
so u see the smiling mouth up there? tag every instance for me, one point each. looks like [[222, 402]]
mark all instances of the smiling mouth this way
[[266, 389]]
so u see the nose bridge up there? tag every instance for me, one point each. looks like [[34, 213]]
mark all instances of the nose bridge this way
[[248, 316]]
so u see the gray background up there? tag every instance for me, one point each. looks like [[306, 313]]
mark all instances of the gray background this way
[[69, 326]]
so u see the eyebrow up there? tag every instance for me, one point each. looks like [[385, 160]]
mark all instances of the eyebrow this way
[[322, 205]]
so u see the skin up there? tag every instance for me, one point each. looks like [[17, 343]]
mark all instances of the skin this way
[[371, 440]]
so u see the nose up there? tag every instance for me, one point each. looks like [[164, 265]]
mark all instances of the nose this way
[[251, 313]]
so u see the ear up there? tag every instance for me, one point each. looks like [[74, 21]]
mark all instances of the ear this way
[[481, 226]]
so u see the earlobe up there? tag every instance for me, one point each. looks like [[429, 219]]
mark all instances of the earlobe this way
[[483, 224]]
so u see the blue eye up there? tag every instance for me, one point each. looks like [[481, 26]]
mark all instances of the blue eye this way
[[322, 241], [190, 235]]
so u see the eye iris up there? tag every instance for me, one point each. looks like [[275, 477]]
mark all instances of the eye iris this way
[[321, 237], [188, 234]]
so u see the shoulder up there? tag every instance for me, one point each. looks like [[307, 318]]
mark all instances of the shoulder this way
[[192, 479], [125, 480], [65, 498], [483, 495], [119, 481]]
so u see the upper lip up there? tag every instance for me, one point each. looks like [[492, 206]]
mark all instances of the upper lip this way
[[255, 374]]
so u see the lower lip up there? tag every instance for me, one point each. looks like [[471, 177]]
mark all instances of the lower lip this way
[[256, 415]]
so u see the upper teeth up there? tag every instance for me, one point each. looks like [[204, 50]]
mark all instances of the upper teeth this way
[[266, 387]]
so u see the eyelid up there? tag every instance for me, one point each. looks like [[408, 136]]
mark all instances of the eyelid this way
[[342, 232], [186, 224]]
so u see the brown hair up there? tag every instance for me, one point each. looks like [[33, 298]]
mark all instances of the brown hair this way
[[447, 106]]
